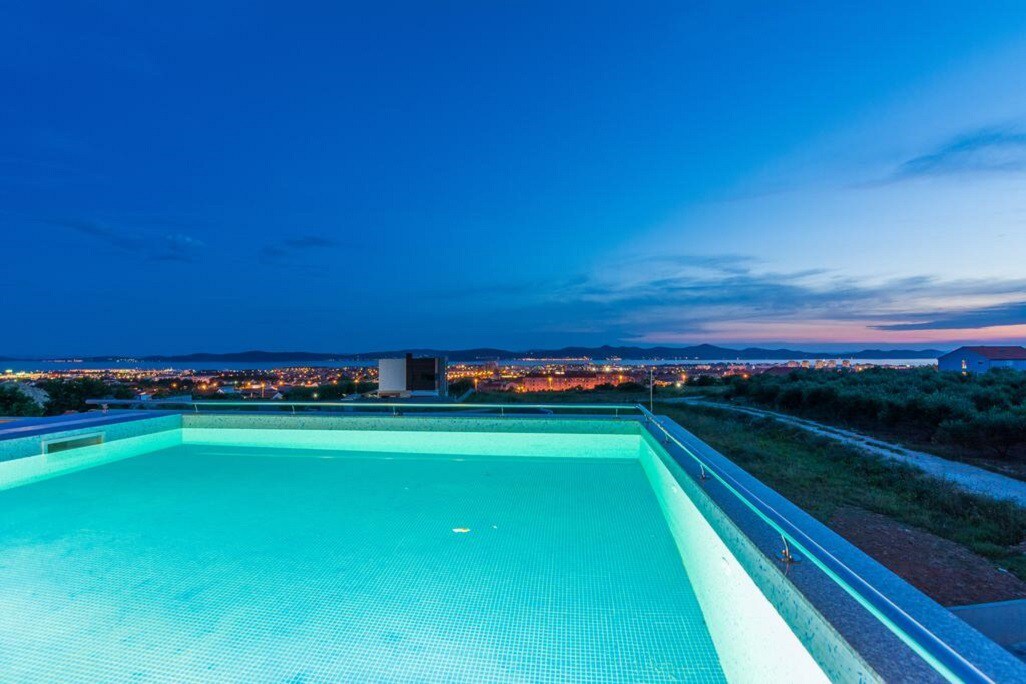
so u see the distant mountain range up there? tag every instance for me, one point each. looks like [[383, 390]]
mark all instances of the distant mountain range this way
[[701, 352]]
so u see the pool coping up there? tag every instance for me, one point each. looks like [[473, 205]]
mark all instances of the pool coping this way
[[881, 649], [33, 427]]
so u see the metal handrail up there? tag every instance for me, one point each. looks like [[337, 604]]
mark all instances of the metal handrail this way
[[615, 408], [937, 652]]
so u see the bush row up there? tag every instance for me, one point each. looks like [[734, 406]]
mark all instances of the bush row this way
[[982, 414]]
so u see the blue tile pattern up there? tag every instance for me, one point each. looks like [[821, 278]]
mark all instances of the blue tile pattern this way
[[203, 563]]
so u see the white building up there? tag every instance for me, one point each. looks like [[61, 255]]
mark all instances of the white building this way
[[410, 377], [983, 359]]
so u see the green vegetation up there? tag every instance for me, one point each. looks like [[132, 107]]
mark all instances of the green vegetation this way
[[458, 387], [627, 393], [821, 476], [71, 395], [980, 416], [333, 392], [14, 402], [167, 387]]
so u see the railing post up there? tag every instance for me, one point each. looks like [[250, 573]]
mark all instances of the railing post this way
[[651, 389], [786, 556]]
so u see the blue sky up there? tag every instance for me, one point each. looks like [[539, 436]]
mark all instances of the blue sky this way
[[218, 176]]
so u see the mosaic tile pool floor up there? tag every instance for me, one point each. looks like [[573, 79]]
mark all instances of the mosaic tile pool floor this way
[[215, 563]]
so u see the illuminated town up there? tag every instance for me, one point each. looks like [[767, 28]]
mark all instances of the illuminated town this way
[[361, 381]]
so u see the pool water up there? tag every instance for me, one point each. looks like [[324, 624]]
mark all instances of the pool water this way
[[218, 562]]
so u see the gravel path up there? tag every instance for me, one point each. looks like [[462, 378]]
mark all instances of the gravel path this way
[[968, 477]]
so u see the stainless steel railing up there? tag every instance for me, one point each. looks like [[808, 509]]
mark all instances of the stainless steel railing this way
[[938, 653], [387, 407]]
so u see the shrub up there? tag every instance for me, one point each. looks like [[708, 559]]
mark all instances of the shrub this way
[[14, 402], [985, 415]]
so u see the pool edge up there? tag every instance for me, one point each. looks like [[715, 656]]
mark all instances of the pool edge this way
[[888, 657]]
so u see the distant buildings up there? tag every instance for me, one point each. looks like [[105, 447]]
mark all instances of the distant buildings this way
[[412, 377], [983, 359], [569, 380], [265, 391]]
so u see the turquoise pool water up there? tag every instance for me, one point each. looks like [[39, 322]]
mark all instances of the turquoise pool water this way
[[216, 559]]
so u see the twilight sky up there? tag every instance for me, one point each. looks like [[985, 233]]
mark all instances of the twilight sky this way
[[220, 176]]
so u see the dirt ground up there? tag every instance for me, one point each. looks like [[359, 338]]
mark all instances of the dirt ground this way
[[943, 570]]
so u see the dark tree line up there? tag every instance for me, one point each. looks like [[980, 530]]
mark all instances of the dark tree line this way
[[982, 414], [71, 395], [334, 392], [64, 396], [14, 402]]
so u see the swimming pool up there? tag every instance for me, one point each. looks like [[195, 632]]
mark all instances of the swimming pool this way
[[198, 548]]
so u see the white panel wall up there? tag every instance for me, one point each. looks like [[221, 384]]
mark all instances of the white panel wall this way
[[392, 375]]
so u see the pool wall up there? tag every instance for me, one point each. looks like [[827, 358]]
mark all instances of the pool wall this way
[[752, 638], [463, 443], [24, 444], [537, 436], [21, 438], [414, 423]]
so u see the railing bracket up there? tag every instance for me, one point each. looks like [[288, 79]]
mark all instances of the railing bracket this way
[[786, 556]]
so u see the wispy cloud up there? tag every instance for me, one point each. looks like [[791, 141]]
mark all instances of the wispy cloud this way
[[102, 232], [297, 244], [147, 243], [993, 150], [667, 299], [1013, 313], [177, 247]]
